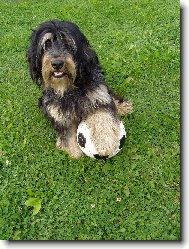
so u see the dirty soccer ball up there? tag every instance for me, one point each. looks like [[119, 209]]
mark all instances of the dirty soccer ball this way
[[102, 144]]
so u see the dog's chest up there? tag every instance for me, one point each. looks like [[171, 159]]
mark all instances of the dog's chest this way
[[74, 105], [61, 116], [60, 111]]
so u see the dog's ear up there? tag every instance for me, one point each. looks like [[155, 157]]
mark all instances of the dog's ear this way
[[34, 55], [88, 62]]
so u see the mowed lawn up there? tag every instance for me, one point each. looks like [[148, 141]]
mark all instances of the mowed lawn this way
[[44, 194]]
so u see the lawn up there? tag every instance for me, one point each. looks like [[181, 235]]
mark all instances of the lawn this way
[[44, 194]]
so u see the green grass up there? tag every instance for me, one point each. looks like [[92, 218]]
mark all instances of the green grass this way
[[136, 194]]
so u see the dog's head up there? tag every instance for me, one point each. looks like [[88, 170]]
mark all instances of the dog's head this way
[[60, 55]]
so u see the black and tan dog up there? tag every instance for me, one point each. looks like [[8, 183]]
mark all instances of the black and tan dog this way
[[63, 63]]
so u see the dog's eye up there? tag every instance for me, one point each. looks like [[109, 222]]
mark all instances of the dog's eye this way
[[68, 41], [47, 44]]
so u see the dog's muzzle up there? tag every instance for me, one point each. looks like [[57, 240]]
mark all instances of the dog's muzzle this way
[[58, 65]]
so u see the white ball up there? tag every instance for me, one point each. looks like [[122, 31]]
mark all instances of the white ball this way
[[86, 144]]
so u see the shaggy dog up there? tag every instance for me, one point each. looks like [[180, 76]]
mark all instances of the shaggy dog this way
[[63, 63]]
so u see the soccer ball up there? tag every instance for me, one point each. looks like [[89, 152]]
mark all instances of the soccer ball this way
[[101, 140]]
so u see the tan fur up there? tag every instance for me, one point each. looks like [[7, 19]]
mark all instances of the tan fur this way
[[123, 107], [55, 113], [58, 116], [104, 131], [60, 85]]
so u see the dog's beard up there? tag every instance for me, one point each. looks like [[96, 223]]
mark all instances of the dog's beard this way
[[61, 80]]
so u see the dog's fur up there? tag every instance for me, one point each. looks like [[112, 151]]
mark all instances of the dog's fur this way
[[63, 63]]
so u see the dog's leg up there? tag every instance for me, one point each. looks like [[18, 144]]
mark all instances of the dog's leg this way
[[122, 106], [67, 141], [66, 137]]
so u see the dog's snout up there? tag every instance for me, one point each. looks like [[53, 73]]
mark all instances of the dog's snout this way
[[57, 64]]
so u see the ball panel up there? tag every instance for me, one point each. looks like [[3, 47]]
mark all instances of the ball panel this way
[[97, 156], [122, 141], [88, 147], [81, 140], [122, 130]]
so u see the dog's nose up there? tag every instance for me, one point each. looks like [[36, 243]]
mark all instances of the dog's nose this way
[[57, 64]]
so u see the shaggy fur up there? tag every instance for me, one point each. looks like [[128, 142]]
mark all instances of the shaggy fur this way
[[72, 80]]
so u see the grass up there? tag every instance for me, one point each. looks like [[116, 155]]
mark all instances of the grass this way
[[134, 196]]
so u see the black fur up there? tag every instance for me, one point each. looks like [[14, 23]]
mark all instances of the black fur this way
[[74, 105]]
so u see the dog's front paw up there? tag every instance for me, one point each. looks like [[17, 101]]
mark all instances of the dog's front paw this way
[[73, 149], [75, 153], [60, 144]]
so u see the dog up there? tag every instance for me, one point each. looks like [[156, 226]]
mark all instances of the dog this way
[[67, 68]]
